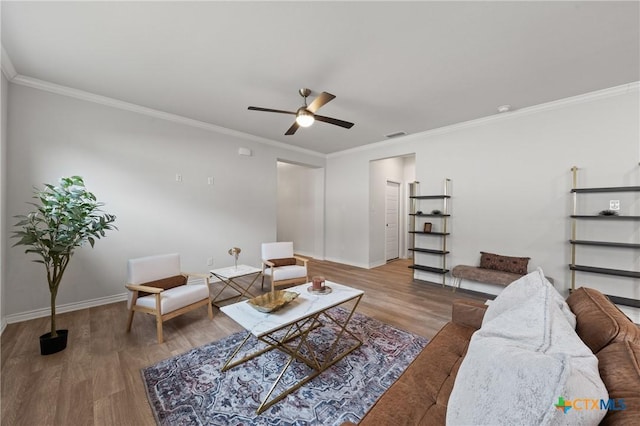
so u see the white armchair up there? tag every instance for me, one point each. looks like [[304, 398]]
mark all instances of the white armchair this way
[[282, 266], [158, 287]]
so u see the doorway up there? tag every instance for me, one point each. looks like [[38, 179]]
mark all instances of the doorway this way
[[392, 227], [388, 208], [300, 208]]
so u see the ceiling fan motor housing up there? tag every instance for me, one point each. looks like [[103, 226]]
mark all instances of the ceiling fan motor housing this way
[[304, 93]]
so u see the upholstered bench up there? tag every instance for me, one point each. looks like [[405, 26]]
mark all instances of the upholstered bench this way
[[494, 269], [483, 275]]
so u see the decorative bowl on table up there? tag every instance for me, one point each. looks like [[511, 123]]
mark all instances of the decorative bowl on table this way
[[273, 301]]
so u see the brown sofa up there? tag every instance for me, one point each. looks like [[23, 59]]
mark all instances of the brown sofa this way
[[420, 395]]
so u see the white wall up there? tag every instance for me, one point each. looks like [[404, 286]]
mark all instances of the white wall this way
[[301, 208], [130, 161], [510, 181], [3, 205]]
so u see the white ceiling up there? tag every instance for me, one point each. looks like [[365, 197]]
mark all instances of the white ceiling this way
[[393, 66]]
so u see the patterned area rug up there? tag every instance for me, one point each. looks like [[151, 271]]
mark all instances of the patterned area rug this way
[[190, 389]]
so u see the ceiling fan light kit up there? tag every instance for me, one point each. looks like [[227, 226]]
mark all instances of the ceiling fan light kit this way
[[306, 114], [304, 118]]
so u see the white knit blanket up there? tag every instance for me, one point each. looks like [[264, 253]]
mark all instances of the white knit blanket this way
[[523, 359]]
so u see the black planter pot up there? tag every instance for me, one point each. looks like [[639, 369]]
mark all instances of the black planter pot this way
[[50, 345]]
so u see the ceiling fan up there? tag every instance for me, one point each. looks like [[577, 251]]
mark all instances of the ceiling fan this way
[[306, 114]]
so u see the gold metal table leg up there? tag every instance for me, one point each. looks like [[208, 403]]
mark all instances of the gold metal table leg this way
[[231, 283], [301, 329]]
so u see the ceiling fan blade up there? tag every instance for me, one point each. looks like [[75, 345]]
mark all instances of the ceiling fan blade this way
[[335, 121], [322, 99], [252, 108], [292, 129]]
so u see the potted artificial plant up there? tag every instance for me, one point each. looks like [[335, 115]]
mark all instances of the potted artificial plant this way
[[65, 217]]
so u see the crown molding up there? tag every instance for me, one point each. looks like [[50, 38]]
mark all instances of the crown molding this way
[[8, 69], [58, 89], [561, 103]]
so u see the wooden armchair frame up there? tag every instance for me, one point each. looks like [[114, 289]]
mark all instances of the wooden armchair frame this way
[[157, 311], [270, 265]]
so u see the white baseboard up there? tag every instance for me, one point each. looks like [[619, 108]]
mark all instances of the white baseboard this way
[[70, 307], [60, 309], [3, 325], [376, 264], [357, 265]]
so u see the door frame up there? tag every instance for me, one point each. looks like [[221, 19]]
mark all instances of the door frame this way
[[398, 221]]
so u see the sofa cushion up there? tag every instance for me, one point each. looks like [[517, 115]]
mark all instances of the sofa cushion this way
[[515, 265], [420, 395], [525, 356], [598, 321], [619, 365]]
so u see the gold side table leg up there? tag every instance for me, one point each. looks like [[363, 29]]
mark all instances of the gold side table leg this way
[[230, 283]]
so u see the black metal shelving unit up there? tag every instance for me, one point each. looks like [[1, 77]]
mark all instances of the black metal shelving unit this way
[[425, 245], [612, 244]]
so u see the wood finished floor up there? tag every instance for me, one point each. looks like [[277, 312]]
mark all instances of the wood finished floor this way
[[97, 381]]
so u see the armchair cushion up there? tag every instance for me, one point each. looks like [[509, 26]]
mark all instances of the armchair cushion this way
[[152, 268], [175, 298], [279, 250], [287, 272], [165, 283], [283, 261]]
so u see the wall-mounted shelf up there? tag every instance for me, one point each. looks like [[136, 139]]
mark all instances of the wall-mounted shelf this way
[[574, 241], [603, 217], [605, 244], [609, 189]]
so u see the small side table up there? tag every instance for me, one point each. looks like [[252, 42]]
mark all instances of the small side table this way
[[228, 276]]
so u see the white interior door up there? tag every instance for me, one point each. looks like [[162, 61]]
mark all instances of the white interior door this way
[[392, 229]]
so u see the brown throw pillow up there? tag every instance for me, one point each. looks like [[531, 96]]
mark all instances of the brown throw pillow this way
[[515, 265], [284, 261], [165, 283]]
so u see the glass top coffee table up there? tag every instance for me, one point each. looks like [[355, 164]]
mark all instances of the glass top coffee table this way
[[290, 330]]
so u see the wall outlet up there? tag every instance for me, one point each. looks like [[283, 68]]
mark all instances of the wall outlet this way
[[210, 180], [178, 177], [210, 261], [614, 204]]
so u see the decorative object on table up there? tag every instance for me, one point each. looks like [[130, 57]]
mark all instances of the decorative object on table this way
[[608, 213], [436, 211], [271, 302], [190, 388], [427, 227], [235, 252], [66, 216], [317, 282], [323, 290], [317, 286]]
